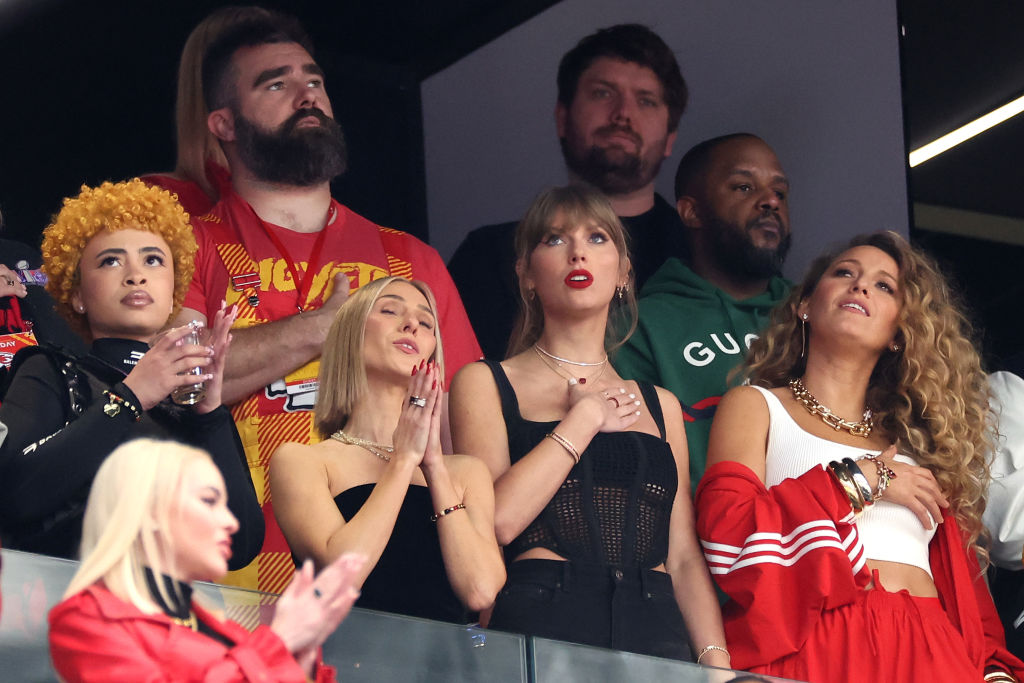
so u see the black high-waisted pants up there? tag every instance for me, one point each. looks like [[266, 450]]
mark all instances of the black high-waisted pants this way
[[621, 608]]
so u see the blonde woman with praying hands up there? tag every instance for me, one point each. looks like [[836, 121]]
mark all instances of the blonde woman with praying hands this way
[[379, 484]]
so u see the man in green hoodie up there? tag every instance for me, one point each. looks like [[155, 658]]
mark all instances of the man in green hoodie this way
[[697, 320]]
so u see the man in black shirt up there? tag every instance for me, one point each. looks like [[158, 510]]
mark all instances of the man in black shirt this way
[[620, 98]]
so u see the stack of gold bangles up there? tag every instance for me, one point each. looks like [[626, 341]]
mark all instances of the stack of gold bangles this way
[[855, 484]]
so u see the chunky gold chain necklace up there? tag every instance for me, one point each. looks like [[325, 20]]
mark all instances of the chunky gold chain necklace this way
[[565, 372], [380, 450], [814, 407]]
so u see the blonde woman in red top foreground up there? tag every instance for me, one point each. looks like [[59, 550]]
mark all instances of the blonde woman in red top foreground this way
[[157, 520]]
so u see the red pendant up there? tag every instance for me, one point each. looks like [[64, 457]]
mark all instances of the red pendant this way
[[582, 380]]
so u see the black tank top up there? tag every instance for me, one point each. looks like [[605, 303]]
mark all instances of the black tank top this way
[[615, 505], [409, 578]]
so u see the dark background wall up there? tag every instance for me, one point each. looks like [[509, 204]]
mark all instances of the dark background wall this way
[[89, 93], [819, 81]]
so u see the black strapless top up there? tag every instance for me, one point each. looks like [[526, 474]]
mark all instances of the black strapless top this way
[[409, 578], [615, 505]]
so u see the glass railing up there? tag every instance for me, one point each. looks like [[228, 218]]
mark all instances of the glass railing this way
[[368, 646]]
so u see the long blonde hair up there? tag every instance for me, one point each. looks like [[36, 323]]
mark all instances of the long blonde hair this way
[[931, 398], [342, 371], [132, 499]]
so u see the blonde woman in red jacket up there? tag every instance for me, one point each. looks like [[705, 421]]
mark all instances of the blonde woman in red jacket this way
[[157, 520]]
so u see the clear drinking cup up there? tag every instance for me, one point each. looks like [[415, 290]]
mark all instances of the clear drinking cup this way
[[191, 394]]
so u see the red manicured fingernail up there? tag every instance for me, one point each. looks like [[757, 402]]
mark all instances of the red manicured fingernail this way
[[423, 363], [433, 385]]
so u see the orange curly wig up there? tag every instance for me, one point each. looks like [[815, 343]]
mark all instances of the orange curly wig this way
[[128, 205]]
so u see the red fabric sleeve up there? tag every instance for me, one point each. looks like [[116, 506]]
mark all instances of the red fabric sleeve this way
[[967, 600], [196, 296], [96, 637], [783, 555]]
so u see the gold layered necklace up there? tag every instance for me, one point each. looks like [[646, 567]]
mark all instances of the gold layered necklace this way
[[556, 363], [380, 450], [814, 407]]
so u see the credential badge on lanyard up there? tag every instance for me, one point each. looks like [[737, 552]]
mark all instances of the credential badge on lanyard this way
[[248, 284]]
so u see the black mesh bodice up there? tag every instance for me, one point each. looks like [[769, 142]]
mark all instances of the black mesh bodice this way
[[615, 505]]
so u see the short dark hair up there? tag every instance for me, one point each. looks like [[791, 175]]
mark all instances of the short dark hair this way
[[694, 163], [276, 27], [629, 43]]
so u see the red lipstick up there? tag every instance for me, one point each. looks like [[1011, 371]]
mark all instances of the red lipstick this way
[[579, 279]]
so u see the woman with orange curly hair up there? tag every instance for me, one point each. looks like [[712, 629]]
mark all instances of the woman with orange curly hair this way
[[118, 259], [841, 507]]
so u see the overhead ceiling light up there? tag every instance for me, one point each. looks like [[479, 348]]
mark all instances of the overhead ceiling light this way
[[966, 132]]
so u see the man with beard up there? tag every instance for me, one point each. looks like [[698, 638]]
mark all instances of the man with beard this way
[[285, 253], [620, 98], [698, 320]]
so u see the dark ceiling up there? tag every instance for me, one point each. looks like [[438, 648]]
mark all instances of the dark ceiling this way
[[962, 60], [90, 89]]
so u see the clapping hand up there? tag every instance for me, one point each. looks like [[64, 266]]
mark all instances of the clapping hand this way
[[312, 607]]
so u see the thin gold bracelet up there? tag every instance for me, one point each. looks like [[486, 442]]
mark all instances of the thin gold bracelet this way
[[566, 444]]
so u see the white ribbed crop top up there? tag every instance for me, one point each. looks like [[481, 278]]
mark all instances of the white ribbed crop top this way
[[889, 531]]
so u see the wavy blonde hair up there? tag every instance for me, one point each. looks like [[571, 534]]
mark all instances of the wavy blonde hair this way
[[128, 205], [576, 204], [342, 370], [931, 398]]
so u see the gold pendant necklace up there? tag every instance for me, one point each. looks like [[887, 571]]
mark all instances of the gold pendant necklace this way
[[814, 407], [565, 372], [380, 450]]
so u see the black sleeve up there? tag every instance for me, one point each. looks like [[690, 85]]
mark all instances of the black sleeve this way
[[215, 433], [47, 325], [483, 268], [43, 463]]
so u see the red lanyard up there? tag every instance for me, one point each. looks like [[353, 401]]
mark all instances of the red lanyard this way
[[302, 284]]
